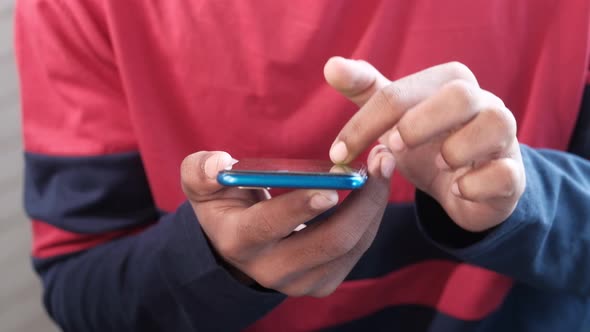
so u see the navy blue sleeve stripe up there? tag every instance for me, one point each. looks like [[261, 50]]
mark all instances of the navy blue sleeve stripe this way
[[163, 279], [406, 318], [398, 230], [563, 316], [88, 195], [451, 235], [547, 238]]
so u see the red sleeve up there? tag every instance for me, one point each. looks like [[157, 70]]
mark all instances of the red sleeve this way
[[72, 98], [104, 263]]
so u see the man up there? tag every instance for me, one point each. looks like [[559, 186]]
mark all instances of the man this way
[[117, 95]]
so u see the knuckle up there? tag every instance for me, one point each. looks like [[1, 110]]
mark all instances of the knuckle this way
[[468, 187], [509, 174], [325, 291], [352, 130], [389, 96], [367, 240], [187, 178], [338, 245], [460, 71], [462, 92], [356, 127], [494, 100], [451, 154], [191, 172], [296, 290], [502, 121], [187, 162], [230, 250], [502, 118], [258, 229], [268, 280], [263, 226], [508, 120], [409, 130], [192, 161], [377, 197]]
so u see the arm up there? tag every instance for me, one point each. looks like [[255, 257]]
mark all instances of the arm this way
[[164, 279], [547, 238], [107, 260], [87, 190], [471, 175]]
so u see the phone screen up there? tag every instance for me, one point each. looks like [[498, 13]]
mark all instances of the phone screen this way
[[294, 166]]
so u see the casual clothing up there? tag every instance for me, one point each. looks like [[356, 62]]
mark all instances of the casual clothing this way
[[117, 93]]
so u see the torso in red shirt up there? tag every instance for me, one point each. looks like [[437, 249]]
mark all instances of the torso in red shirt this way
[[246, 77]]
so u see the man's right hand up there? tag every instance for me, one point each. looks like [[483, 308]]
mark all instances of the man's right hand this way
[[255, 236]]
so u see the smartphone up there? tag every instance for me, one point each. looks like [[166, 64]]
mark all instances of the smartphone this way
[[293, 173]]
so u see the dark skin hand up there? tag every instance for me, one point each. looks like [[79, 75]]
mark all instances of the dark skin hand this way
[[255, 236], [450, 138]]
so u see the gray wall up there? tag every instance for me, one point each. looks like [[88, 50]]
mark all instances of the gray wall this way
[[20, 293]]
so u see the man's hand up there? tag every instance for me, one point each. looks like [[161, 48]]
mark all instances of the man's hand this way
[[451, 139], [255, 235]]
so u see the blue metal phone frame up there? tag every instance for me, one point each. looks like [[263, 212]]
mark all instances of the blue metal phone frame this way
[[309, 181]]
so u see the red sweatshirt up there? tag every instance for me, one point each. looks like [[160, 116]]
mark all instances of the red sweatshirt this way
[[116, 93]]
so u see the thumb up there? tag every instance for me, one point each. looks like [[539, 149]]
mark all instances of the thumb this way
[[357, 80], [198, 173]]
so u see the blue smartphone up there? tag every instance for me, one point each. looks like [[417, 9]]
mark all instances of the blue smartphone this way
[[293, 173]]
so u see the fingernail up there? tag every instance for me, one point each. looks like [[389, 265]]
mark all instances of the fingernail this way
[[395, 142], [231, 163], [380, 147], [300, 227], [455, 189], [339, 152], [216, 163], [440, 162], [387, 166], [324, 200]]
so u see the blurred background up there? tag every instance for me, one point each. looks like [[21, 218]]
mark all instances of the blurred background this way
[[20, 291]]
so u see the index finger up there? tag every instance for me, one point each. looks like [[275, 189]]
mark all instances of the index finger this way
[[384, 109], [276, 218], [336, 236]]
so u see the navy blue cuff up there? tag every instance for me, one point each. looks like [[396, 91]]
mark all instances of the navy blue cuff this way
[[187, 261], [544, 243], [442, 231]]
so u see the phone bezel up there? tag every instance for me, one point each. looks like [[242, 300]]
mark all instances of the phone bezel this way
[[354, 177]]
